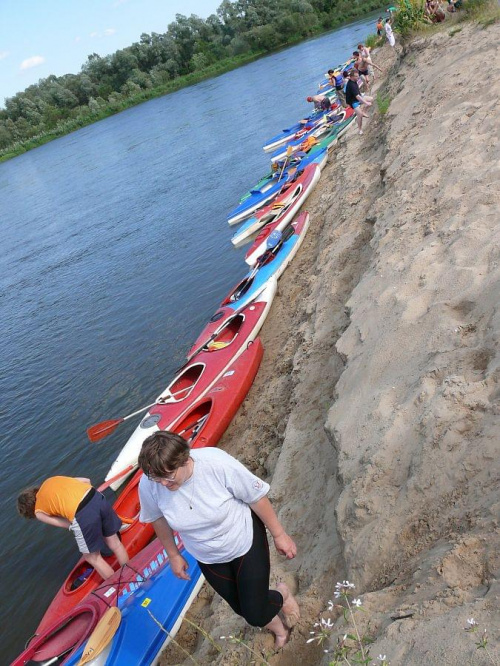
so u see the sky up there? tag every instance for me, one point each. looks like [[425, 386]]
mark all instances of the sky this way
[[43, 37]]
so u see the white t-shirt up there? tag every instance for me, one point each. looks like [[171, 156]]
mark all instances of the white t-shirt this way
[[218, 526]]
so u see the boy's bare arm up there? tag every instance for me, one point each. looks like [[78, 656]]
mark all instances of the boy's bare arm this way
[[56, 521]]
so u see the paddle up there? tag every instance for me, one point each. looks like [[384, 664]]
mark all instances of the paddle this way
[[273, 240], [105, 428], [114, 478], [102, 635], [289, 151]]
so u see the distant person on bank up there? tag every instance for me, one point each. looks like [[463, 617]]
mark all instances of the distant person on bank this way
[[336, 80], [321, 102], [389, 33], [364, 52], [221, 511], [380, 26], [74, 505], [355, 100]]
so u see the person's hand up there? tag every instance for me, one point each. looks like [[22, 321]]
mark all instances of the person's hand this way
[[285, 545], [179, 567]]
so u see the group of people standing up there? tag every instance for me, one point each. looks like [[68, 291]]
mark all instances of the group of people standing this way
[[359, 72]]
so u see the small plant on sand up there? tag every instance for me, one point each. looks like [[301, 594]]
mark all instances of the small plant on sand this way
[[352, 647], [482, 642], [259, 659], [372, 41], [383, 102]]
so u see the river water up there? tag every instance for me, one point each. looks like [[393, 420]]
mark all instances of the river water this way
[[115, 252]]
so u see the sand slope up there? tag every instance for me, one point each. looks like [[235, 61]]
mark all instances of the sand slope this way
[[376, 412]]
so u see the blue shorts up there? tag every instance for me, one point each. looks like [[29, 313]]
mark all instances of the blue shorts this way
[[95, 519], [355, 105]]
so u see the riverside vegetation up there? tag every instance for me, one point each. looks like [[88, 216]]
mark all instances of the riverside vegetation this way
[[191, 49]]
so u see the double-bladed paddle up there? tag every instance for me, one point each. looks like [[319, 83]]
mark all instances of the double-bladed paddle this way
[[104, 428]]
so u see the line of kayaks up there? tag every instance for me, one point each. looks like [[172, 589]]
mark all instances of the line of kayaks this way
[[147, 601]]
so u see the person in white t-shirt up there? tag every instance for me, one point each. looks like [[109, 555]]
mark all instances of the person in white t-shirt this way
[[221, 511]]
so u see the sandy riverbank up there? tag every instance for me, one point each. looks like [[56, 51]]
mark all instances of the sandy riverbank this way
[[376, 411]]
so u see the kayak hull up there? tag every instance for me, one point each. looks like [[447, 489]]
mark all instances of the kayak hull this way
[[134, 535], [318, 133], [259, 246], [246, 289], [284, 208], [139, 640], [70, 632], [197, 377], [271, 186]]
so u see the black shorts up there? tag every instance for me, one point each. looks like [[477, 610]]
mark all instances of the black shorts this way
[[94, 520]]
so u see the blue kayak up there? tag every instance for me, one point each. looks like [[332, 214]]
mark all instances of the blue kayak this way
[[139, 640], [272, 184], [287, 134], [282, 246]]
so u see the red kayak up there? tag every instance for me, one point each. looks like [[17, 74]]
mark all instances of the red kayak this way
[[83, 579], [214, 356], [203, 425], [60, 640]]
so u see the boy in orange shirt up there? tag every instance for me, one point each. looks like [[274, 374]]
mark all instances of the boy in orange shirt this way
[[72, 503]]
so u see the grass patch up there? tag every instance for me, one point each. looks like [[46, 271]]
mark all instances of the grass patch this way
[[383, 102], [454, 31], [374, 41], [486, 20], [483, 12]]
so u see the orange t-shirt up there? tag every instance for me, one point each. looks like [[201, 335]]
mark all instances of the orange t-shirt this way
[[60, 496]]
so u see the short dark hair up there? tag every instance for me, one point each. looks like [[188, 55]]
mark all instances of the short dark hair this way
[[356, 53], [330, 71], [26, 502], [352, 72], [163, 453]]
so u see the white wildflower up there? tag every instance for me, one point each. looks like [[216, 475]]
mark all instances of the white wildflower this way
[[326, 624], [343, 588], [356, 602], [471, 622], [330, 605], [381, 657]]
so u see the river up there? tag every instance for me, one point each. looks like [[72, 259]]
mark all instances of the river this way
[[115, 252]]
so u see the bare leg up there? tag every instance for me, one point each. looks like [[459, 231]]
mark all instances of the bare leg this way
[[291, 611], [114, 543], [96, 561], [359, 118], [281, 633]]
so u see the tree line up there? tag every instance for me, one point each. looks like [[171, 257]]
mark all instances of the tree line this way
[[191, 49]]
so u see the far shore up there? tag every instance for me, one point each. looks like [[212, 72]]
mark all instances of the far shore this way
[[70, 125]]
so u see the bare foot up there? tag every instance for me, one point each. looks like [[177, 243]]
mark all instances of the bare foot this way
[[290, 610], [280, 640]]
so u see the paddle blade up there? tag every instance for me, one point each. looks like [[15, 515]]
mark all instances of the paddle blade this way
[[273, 239], [103, 429], [102, 635]]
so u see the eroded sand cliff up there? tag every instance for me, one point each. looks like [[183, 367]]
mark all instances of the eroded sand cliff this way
[[376, 411]]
